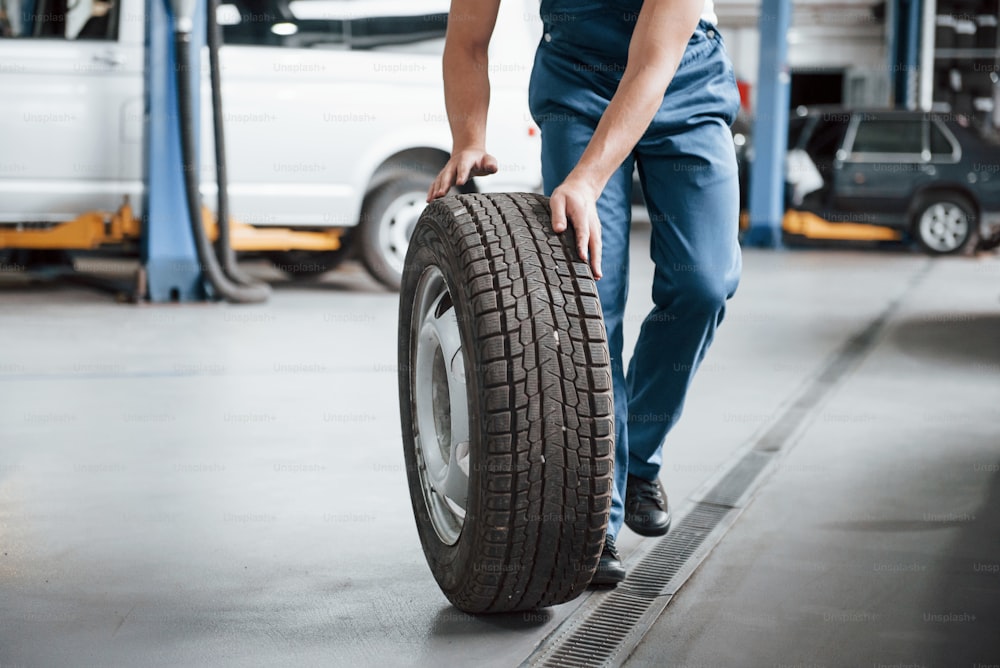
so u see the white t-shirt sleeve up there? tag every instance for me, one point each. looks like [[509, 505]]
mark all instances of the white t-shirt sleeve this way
[[708, 13]]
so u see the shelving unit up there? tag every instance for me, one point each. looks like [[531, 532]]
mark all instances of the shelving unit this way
[[967, 58]]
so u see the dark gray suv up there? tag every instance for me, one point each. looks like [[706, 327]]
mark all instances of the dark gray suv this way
[[929, 174]]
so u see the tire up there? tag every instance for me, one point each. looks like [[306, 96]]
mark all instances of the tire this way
[[519, 425], [388, 217], [311, 264], [946, 224]]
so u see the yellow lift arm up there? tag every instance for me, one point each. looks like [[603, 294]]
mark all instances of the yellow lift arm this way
[[94, 229]]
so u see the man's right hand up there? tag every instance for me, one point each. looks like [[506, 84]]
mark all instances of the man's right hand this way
[[575, 200], [460, 168]]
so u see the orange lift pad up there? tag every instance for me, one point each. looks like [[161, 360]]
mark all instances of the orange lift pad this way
[[98, 228]]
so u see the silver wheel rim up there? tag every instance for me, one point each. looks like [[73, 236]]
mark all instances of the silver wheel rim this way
[[395, 227], [944, 226], [440, 405]]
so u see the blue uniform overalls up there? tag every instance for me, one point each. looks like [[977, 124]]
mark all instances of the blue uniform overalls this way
[[687, 169]]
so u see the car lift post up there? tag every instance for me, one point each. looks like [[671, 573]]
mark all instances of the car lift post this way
[[904, 52], [169, 259], [770, 128], [172, 248]]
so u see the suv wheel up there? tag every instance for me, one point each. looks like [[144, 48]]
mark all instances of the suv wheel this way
[[505, 401], [945, 224]]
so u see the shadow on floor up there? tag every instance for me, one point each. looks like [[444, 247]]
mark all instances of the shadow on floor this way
[[804, 243], [963, 612], [453, 623], [953, 338], [114, 279]]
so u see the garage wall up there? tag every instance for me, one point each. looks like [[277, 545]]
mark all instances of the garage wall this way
[[825, 36]]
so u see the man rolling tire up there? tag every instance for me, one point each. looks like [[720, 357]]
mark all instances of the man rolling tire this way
[[614, 86]]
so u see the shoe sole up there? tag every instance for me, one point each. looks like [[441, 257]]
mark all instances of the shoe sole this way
[[605, 583], [643, 531]]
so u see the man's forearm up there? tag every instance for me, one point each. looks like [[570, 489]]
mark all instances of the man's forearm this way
[[466, 70], [467, 92], [466, 95], [661, 35]]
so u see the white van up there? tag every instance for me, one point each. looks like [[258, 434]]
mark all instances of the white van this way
[[334, 114]]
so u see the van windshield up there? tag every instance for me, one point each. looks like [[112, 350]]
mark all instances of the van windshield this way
[[336, 24]]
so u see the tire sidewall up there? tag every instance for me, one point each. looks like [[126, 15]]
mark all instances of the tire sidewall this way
[[451, 564]]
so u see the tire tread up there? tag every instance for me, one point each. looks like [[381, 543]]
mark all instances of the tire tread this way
[[543, 373]]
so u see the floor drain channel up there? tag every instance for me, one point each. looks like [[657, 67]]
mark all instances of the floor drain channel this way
[[599, 636], [608, 626], [737, 483], [656, 572]]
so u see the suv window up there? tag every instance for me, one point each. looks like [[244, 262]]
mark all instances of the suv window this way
[[331, 24], [61, 19], [826, 137], [889, 136], [795, 128], [940, 145]]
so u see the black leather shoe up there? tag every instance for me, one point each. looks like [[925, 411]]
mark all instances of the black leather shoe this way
[[610, 570], [646, 510]]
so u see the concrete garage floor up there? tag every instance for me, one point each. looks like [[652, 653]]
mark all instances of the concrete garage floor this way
[[877, 540], [212, 485]]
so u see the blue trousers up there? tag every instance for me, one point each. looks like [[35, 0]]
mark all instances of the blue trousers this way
[[687, 169]]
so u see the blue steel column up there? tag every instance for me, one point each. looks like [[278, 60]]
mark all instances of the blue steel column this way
[[169, 257], [770, 127], [905, 44]]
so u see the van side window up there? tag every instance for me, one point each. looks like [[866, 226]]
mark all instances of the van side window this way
[[318, 24], [59, 19]]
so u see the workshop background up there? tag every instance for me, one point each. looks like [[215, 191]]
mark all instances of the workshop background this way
[[205, 209]]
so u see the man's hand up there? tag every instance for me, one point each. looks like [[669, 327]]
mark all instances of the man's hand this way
[[575, 201], [460, 167]]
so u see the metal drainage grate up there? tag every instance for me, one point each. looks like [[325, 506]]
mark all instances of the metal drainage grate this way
[[599, 637], [602, 634], [655, 572], [731, 489]]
